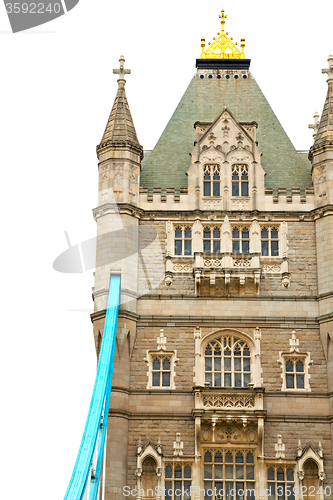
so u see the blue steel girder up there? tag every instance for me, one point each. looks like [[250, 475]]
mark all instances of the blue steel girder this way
[[96, 424]]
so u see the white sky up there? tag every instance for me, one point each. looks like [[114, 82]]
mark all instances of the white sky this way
[[57, 90]]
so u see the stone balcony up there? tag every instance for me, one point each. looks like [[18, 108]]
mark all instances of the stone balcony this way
[[227, 400], [229, 273]]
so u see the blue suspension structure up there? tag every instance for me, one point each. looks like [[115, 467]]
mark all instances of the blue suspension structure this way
[[93, 439]]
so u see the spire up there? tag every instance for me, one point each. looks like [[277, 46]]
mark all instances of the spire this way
[[222, 47], [325, 129], [120, 130]]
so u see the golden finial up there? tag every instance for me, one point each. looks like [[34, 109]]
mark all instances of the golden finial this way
[[222, 47], [223, 18]]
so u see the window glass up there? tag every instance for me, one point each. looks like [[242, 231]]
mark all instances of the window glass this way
[[156, 364], [289, 366], [188, 247], [299, 366], [178, 247]]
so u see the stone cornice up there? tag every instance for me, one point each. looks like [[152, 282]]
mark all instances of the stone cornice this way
[[326, 145], [241, 321], [120, 145], [95, 316]]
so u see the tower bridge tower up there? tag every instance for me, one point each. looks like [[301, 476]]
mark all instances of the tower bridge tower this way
[[224, 365]]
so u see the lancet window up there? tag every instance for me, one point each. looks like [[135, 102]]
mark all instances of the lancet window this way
[[231, 473], [270, 241], [183, 241], [281, 483], [211, 180], [227, 363], [240, 180], [240, 240], [211, 240], [177, 481]]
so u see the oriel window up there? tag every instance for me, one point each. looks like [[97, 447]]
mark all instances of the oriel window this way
[[211, 180]]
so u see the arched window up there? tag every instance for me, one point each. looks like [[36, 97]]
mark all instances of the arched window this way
[[227, 362], [240, 180], [211, 180]]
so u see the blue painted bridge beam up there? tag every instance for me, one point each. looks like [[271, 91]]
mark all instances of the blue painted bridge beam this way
[[93, 439]]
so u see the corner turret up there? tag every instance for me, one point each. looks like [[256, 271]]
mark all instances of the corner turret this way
[[119, 151], [321, 153]]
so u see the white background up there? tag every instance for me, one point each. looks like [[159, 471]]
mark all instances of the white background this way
[[57, 90]]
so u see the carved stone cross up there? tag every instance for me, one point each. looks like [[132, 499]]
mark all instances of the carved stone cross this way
[[121, 72], [315, 125], [329, 71]]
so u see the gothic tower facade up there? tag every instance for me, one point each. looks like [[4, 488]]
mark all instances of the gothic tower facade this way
[[223, 378]]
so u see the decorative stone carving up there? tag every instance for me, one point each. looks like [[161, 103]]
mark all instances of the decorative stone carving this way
[[161, 341], [197, 333], [286, 280], [239, 155], [212, 263], [294, 342], [242, 262], [179, 267], [168, 280], [228, 401], [280, 447], [178, 446], [212, 204], [240, 204], [271, 268], [211, 155]]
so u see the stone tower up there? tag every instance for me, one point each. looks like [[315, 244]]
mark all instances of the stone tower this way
[[223, 374], [321, 157], [119, 154]]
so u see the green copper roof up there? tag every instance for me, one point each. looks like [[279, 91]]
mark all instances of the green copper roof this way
[[203, 101]]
